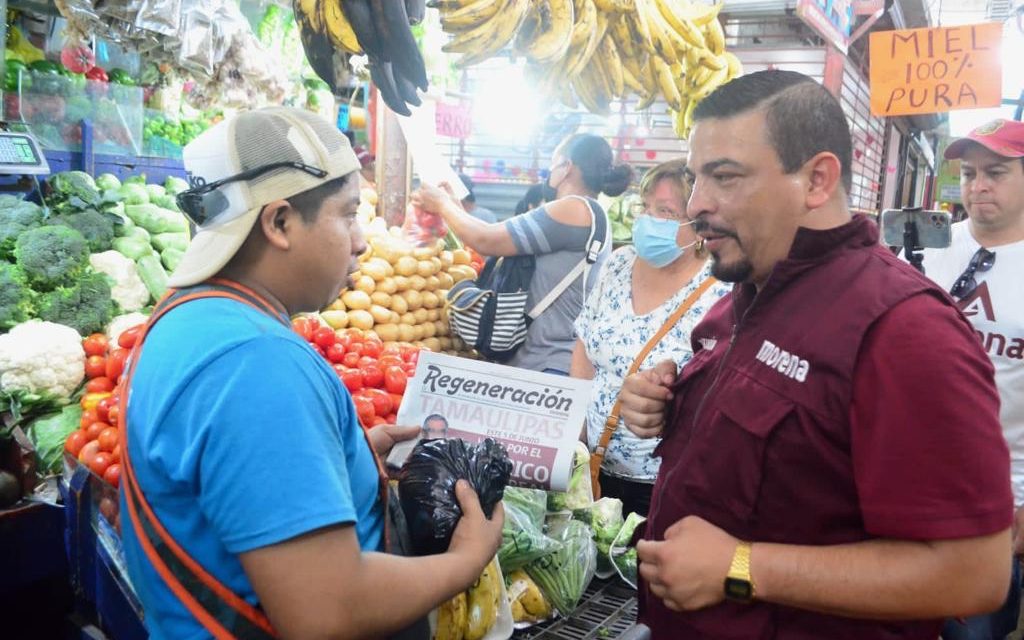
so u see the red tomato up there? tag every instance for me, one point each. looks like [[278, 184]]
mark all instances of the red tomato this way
[[356, 348], [319, 349], [113, 413], [128, 338], [343, 339], [95, 345], [377, 421], [373, 376], [388, 361], [392, 418], [336, 353], [100, 462], [324, 337], [391, 351], [304, 328], [95, 366], [412, 356], [75, 442], [366, 361], [395, 379], [364, 409], [117, 453], [372, 347], [396, 401], [352, 379], [88, 452], [94, 430], [115, 363], [99, 385], [354, 335], [103, 409], [351, 360], [113, 474], [381, 401], [108, 438], [88, 417], [410, 370]]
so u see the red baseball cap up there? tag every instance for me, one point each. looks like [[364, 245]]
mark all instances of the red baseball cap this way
[[1001, 137]]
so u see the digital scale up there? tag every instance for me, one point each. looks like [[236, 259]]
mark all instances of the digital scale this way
[[20, 155]]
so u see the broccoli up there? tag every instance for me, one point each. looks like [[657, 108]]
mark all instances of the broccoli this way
[[73, 191], [16, 298], [85, 306], [52, 255], [15, 219], [97, 228]]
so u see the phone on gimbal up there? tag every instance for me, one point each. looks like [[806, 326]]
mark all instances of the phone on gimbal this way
[[932, 229]]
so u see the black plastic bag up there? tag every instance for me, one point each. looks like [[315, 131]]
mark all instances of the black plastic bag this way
[[426, 487]]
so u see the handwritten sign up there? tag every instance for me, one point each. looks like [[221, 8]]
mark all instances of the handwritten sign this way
[[454, 121], [536, 416], [936, 70]]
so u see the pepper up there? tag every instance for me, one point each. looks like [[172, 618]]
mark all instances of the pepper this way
[[12, 68], [97, 74], [120, 76], [90, 400], [46, 66]]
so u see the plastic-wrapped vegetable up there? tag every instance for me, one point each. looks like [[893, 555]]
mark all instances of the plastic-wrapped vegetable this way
[[49, 433], [623, 555], [426, 487], [563, 576], [522, 536], [606, 521], [580, 493]]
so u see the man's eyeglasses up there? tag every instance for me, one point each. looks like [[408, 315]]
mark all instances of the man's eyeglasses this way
[[965, 285], [204, 203]]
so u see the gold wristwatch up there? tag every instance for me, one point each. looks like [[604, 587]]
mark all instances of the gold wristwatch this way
[[739, 586]]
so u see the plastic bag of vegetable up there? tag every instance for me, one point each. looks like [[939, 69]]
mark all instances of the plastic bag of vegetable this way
[[522, 536], [49, 433], [606, 521], [563, 576], [622, 553], [426, 487], [580, 493]]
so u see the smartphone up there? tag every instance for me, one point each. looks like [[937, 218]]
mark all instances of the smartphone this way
[[933, 227]]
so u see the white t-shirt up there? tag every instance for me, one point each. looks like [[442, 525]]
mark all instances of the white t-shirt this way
[[613, 336], [996, 309]]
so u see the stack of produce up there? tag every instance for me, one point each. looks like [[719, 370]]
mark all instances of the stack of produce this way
[[374, 373], [596, 51], [400, 290]]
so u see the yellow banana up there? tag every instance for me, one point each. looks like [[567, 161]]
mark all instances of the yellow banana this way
[[714, 36], [666, 83], [470, 16], [338, 28], [630, 82], [550, 39], [619, 30], [587, 94], [638, 23], [701, 14], [681, 24], [662, 40], [715, 80], [711, 61], [483, 603], [310, 9], [612, 63], [688, 116], [452, 618], [580, 56], [697, 77], [484, 41], [734, 65]]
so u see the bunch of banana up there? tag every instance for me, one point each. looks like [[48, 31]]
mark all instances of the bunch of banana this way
[[528, 603], [471, 614], [333, 30], [481, 28]]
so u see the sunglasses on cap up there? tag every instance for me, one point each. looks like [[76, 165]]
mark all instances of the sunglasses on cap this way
[[965, 285], [204, 203]]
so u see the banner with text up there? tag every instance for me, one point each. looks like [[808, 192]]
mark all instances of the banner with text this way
[[936, 70], [537, 416]]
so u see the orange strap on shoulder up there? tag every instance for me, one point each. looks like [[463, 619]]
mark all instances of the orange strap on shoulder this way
[[612, 423]]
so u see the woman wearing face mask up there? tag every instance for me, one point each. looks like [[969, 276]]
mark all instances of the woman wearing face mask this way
[[641, 288], [556, 233]]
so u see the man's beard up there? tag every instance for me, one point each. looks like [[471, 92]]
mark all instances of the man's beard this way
[[740, 271]]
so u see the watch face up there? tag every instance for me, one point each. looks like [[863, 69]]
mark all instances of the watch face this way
[[740, 590]]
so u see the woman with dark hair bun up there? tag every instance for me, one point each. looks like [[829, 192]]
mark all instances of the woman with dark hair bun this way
[[555, 233]]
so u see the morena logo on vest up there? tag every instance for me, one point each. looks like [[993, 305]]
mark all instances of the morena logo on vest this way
[[786, 363]]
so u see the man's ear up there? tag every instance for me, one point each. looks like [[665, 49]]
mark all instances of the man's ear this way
[[824, 178], [277, 219]]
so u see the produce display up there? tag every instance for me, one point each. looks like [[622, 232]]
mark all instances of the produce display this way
[[605, 49], [333, 30], [563, 575]]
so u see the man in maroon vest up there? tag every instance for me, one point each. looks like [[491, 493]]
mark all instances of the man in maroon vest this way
[[806, 487]]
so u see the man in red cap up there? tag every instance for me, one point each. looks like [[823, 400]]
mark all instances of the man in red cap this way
[[984, 270]]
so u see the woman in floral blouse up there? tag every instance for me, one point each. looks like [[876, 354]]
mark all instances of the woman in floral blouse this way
[[640, 287]]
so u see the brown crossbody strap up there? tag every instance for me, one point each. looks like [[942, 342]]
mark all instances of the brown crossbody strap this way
[[612, 423]]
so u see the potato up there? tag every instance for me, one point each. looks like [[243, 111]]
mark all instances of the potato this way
[[394, 318], [441, 328], [414, 298], [417, 332], [356, 300], [360, 319], [429, 330], [406, 266], [423, 253], [387, 332], [446, 343], [430, 300], [378, 269], [437, 265], [337, 305], [444, 314], [387, 285], [380, 314], [407, 318], [445, 280], [433, 344], [425, 268], [433, 315], [406, 333], [366, 284], [381, 298], [401, 283], [335, 319], [366, 194], [420, 316], [461, 256], [446, 259], [398, 303], [433, 283], [417, 283]]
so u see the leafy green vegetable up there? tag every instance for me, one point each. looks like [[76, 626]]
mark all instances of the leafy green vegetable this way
[[73, 191], [17, 300], [153, 275], [175, 185], [580, 493], [154, 219], [155, 191], [107, 182], [49, 433], [133, 193], [52, 255], [177, 241], [16, 217], [624, 556], [171, 258], [85, 306], [132, 247], [522, 535], [563, 575], [97, 228]]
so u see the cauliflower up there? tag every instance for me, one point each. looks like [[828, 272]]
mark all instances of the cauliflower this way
[[120, 324], [127, 290], [42, 358]]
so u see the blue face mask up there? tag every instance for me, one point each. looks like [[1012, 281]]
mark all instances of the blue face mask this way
[[655, 240]]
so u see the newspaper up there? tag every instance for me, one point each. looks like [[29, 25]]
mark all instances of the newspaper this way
[[537, 416]]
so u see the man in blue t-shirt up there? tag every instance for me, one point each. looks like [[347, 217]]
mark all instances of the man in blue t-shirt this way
[[241, 438]]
